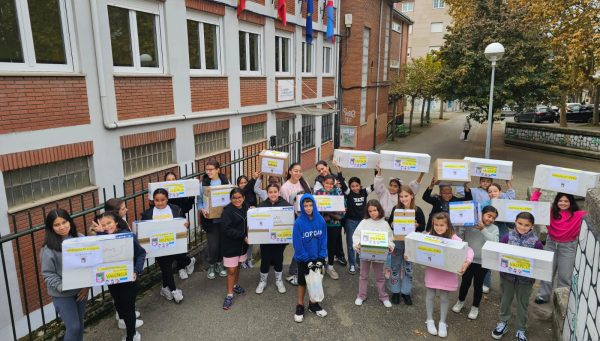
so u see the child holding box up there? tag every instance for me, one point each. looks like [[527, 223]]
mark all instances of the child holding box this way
[[388, 197], [440, 202], [356, 198], [514, 285], [334, 226]]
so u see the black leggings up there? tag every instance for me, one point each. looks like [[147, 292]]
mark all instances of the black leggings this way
[[334, 239], [213, 235], [475, 273], [166, 268], [124, 298], [271, 254], [466, 132]]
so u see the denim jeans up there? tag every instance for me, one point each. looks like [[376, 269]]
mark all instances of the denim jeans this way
[[71, 312], [401, 277], [350, 227], [564, 261]]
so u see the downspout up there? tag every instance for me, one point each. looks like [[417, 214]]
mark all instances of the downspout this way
[[340, 91], [378, 68]]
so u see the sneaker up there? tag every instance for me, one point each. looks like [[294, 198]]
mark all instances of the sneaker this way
[[387, 304], [280, 287], [539, 300], [341, 261], [228, 302], [352, 270], [136, 337], [500, 330], [443, 330], [260, 288], [239, 290], [190, 268], [299, 315], [183, 274], [177, 295], [221, 270], [358, 301], [431, 327], [521, 335], [249, 264], [486, 289], [292, 279], [137, 314], [211, 272], [458, 306], [138, 323], [166, 293], [332, 273], [474, 313], [387, 273], [395, 299], [407, 299], [244, 265], [316, 308]]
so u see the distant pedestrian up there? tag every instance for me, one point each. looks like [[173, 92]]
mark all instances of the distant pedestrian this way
[[466, 128]]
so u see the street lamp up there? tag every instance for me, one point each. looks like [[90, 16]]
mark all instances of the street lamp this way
[[493, 52]]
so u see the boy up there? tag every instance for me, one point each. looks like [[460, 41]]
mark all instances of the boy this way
[[310, 246], [513, 285]]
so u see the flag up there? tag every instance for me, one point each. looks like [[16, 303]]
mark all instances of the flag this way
[[330, 20], [241, 7], [309, 13], [282, 12]]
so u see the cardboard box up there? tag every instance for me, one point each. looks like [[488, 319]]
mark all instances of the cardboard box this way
[[162, 237], [449, 172], [374, 246], [517, 260], [270, 225], [404, 223], [216, 198], [273, 162], [356, 158], [177, 188], [404, 161], [488, 168], [326, 203], [441, 253], [565, 180], [463, 213], [97, 260], [508, 210]]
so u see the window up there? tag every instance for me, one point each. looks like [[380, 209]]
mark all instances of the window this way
[[437, 27], [307, 58], [146, 157], [397, 27], [438, 4], [211, 143], [326, 128], [135, 39], [327, 54], [365, 73], [204, 46], [250, 51], [34, 35], [34, 183], [283, 54], [308, 131], [408, 6], [408, 52], [386, 48], [254, 133], [410, 29]]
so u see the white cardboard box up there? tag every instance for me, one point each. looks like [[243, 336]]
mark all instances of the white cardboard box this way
[[404, 223], [495, 169], [326, 203], [565, 180], [517, 260], [162, 237], [451, 172], [463, 213], [404, 161], [437, 252], [97, 260], [177, 188], [216, 198], [273, 162], [270, 225], [508, 210], [356, 158], [374, 246]]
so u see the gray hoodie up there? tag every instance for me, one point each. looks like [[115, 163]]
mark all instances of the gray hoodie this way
[[476, 238], [52, 273]]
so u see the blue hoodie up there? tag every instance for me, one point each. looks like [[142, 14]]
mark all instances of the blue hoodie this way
[[310, 234]]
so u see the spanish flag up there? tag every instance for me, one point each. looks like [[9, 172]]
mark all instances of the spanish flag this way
[[282, 11], [241, 7]]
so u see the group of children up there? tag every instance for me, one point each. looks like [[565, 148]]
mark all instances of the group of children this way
[[318, 244]]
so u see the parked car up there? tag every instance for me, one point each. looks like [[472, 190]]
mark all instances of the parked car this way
[[580, 113], [539, 114]]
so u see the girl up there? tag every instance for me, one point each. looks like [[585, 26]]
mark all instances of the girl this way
[[310, 248], [247, 186], [124, 294], [186, 203], [388, 197], [69, 304], [213, 177], [234, 243], [294, 185], [356, 197], [262, 193], [440, 202], [400, 279], [324, 170], [476, 236], [162, 210], [440, 280], [272, 254], [565, 224], [374, 221], [334, 226]]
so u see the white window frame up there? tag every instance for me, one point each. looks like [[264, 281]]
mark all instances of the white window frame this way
[[410, 29], [155, 8], [26, 36], [313, 51], [330, 47], [247, 28], [438, 4], [290, 36], [397, 27], [206, 18], [409, 52], [406, 8], [436, 23]]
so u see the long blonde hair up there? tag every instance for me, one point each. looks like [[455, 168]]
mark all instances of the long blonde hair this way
[[408, 190]]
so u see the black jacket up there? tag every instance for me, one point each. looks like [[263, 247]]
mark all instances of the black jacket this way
[[147, 214], [439, 205], [280, 203], [249, 195], [419, 218], [234, 229], [185, 204]]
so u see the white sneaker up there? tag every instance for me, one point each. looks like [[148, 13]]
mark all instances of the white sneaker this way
[[138, 323], [190, 268], [280, 287], [431, 327], [261, 287], [387, 304], [358, 301], [136, 337], [485, 290], [458, 306], [137, 314], [332, 273], [443, 330], [474, 313], [166, 293], [177, 295], [183, 274]]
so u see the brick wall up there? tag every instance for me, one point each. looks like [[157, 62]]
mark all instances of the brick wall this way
[[134, 140], [253, 90], [36, 103], [209, 93], [309, 87], [206, 6], [315, 9], [290, 6], [252, 18], [328, 86], [308, 159], [36, 157], [288, 28], [140, 97], [251, 165], [253, 119], [327, 150], [262, 2], [210, 126]]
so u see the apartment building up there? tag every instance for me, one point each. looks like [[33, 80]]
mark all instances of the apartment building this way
[[430, 19]]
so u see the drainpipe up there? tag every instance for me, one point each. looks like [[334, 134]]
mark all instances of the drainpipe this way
[[378, 68]]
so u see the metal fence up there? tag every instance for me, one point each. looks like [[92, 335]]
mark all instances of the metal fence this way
[[27, 234]]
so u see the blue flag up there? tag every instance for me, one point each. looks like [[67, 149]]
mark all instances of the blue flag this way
[[309, 13], [330, 20]]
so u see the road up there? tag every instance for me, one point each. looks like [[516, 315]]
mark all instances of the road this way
[[270, 316]]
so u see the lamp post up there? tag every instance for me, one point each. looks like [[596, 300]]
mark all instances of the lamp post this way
[[493, 52]]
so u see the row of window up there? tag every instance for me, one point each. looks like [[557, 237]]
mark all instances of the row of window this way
[[410, 6]]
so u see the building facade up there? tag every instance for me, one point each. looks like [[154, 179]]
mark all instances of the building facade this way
[[97, 94], [431, 19]]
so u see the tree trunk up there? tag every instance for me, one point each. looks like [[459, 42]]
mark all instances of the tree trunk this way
[[563, 115], [596, 104], [422, 111], [441, 108], [412, 110], [428, 115]]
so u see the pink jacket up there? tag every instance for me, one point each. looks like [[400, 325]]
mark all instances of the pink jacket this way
[[566, 228], [444, 280]]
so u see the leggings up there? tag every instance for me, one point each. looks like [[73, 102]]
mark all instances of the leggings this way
[[71, 312], [334, 238], [166, 268], [123, 295], [474, 274], [271, 255], [443, 304]]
